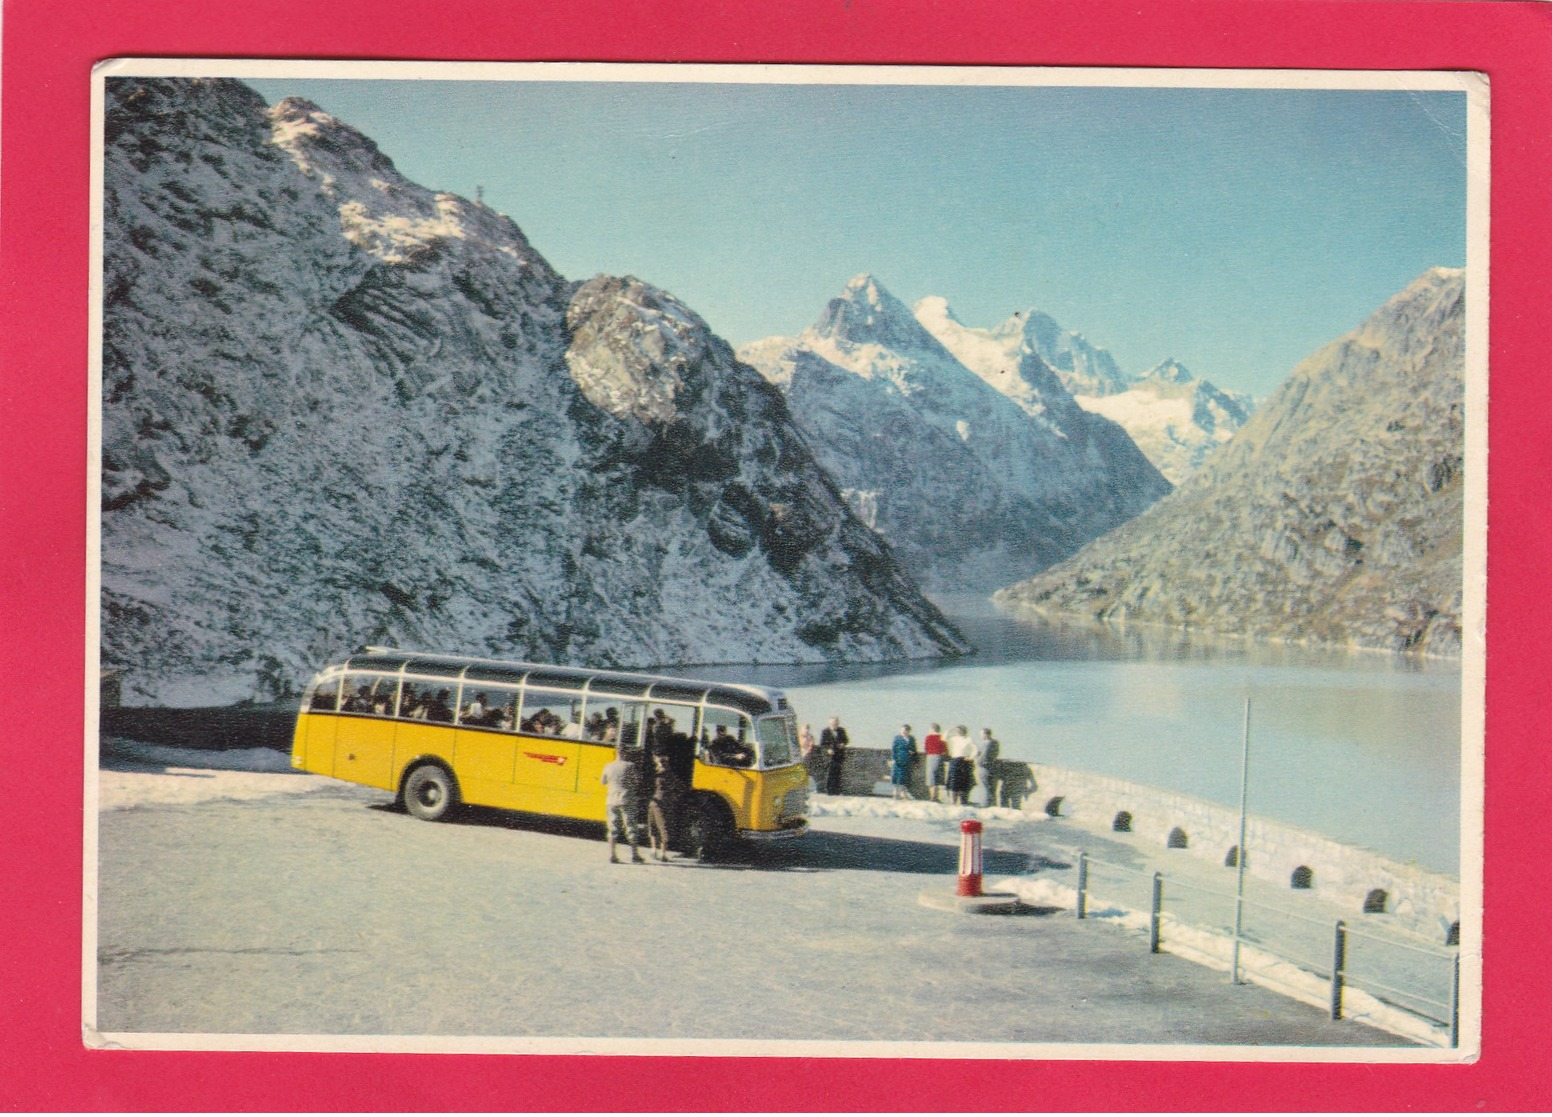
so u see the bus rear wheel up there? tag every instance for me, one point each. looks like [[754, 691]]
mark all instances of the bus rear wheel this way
[[710, 830], [429, 793]]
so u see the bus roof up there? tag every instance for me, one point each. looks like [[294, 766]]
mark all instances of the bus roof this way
[[748, 698]]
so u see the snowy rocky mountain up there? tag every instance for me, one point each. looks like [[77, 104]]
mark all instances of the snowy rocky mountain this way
[[1175, 418], [1334, 515], [338, 407], [970, 486]]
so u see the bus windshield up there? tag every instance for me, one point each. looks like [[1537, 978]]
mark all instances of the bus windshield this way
[[777, 748]]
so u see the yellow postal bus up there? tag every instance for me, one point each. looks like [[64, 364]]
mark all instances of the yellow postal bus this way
[[439, 730]]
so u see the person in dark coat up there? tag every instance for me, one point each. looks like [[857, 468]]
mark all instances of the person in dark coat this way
[[988, 761], [832, 746], [668, 792], [902, 755]]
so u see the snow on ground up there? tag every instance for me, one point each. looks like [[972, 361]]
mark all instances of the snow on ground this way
[[136, 774]]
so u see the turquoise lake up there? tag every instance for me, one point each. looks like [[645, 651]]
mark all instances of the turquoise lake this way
[[1363, 747]]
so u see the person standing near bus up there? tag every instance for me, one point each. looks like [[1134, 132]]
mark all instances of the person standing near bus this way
[[806, 747], [832, 746], [986, 763], [668, 792], [961, 765], [903, 757], [623, 785], [936, 753]]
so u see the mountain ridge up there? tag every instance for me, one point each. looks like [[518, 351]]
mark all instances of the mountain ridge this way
[[969, 485], [1334, 515], [339, 408]]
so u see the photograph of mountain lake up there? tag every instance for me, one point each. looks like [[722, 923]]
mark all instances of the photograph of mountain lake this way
[[1030, 522]]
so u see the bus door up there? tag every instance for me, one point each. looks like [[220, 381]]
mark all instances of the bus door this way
[[549, 741], [363, 736], [484, 748]]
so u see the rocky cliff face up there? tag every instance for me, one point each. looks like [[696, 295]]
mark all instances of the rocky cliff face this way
[[338, 407], [970, 486], [1334, 515]]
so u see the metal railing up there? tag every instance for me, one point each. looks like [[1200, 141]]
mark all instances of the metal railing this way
[[1403, 974]]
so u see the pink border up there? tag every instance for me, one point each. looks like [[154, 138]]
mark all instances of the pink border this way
[[49, 48]]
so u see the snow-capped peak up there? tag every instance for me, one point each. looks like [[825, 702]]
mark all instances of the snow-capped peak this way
[[933, 310], [320, 141], [870, 289], [865, 315], [380, 210], [1169, 371]]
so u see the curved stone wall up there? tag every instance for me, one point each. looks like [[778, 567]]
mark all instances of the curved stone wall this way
[[1427, 902], [1420, 900]]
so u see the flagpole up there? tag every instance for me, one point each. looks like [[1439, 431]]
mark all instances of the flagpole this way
[[1240, 858]]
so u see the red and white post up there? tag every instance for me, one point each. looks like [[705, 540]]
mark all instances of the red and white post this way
[[969, 899], [969, 858]]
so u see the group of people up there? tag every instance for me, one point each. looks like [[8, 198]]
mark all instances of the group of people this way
[[956, 764], [646, 790], [624, 784]]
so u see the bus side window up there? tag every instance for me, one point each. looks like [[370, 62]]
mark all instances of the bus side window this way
[[489, 707], [629, 737], [731, 744], [367, 694], [412, 704], [325, 696], [551, 714], [602, 724], [427, 700]]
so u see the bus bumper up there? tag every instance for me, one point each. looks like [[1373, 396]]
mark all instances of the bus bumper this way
[[791, 831]]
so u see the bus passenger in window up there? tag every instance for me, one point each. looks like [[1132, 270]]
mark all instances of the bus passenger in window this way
[[545, 723], [360, 702], [729, 751], [383, 703], [474, 713], [409, 704], [438, 709]]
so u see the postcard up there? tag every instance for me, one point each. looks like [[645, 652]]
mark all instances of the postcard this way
[[855, 561]]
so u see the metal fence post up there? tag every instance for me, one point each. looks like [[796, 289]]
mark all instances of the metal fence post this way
[[1455, 1005], [1158, 909], [1083, 885], [1338, 965]]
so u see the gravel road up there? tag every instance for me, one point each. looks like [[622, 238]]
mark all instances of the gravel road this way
[[301, 907]]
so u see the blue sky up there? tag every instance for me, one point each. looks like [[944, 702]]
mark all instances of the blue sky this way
[[1234, 230]]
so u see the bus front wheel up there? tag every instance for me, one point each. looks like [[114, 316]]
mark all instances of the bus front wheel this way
[[429, 793], [710, 830]]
